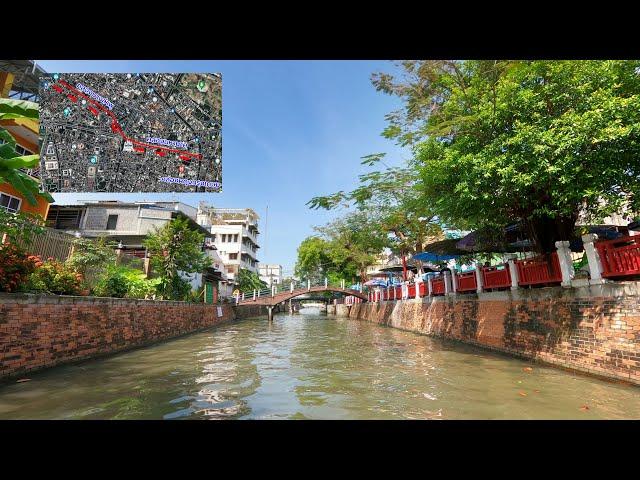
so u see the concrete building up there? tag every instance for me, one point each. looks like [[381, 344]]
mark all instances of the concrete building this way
[[124, 222], [271, 274], [235, 235]]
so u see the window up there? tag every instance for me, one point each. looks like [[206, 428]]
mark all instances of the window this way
[[224, 237], [9, 203], [235, 238], [233, 256], [22, 151], [19, 149], [112, 222]]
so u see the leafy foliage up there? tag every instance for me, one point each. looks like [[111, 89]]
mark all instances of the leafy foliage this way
[[113, 284], [122, 281], [542, 142], [20, 228], [387, 202], [15, 267], [249, 281], [495, 142], [343, 249], [90, 254], [55, 277], [10, 161], [175, 248]]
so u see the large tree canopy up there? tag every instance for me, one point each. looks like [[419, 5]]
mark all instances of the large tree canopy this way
[[387, 204], [540, 142], [343, 249]]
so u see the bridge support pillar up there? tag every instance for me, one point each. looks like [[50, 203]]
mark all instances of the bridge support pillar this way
[[270, 313]]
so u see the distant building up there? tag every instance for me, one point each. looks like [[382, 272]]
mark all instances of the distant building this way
[[235, 235], [125, 222], [271, 274]]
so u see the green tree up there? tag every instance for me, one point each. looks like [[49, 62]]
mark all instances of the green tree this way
[[539, 142], [313, 261], [341, 250], [354, 241], [249, 281], [176, 248], [11, 162], [20, 228], [92, 254], [387, 203]]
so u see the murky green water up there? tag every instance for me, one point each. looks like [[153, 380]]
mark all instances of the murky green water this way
[[317, 367]]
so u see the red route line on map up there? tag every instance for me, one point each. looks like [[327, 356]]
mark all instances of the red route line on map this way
[[119, 128]]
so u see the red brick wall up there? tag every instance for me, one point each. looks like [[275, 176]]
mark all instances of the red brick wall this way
[[594, 329], [38, 331]]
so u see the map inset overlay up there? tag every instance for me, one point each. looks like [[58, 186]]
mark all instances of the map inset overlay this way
[[133, 132]]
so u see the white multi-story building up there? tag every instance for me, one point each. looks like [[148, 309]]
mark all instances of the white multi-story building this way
[[271, 274], [235, 235]]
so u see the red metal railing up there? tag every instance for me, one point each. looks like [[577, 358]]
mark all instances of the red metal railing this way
[[412, 291], [437, 285], [492, 277], [423, 289], [466, 282], [538, 271], [620, 257], [398, 292]]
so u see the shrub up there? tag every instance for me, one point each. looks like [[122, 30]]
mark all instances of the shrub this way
[[89, 254], [121, 281], [113, 285], [15, 267], [53, 276]]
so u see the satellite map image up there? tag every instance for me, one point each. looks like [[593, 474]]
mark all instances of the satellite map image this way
[[140, 132]]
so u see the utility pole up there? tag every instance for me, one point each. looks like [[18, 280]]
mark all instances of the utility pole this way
[[266, 224]]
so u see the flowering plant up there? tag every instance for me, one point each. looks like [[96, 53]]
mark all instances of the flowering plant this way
[[15, 267]]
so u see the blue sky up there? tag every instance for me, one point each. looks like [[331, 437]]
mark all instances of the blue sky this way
[[291, 130]]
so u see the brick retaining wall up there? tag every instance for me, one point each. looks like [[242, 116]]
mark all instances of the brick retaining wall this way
[[594, 329], [39, 331]]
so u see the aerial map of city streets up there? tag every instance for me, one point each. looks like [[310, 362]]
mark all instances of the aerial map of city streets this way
[[140, 132]]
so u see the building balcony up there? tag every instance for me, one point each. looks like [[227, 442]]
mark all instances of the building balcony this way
[[251, 236], [246, 250]]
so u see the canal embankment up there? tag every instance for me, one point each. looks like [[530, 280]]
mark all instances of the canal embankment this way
[[42, 331], [593, 329]]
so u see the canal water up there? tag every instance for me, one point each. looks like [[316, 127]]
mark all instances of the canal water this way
[[312, 366]]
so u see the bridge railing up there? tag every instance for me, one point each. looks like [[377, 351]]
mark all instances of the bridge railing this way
[[299, 286]]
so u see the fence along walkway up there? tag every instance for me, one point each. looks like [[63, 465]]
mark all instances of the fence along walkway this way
[[51, 243]]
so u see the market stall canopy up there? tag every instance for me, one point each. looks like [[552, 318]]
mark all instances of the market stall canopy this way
[[440, 251], [492, 240], [513, 238], [433, 257], [376, 282]]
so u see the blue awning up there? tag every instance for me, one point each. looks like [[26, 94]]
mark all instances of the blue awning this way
[[433, 257]]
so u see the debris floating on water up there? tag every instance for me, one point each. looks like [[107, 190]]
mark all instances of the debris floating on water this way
[[23, 380]]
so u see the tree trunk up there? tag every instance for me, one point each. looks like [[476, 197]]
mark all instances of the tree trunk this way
[[544, 232], [404, 267]]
